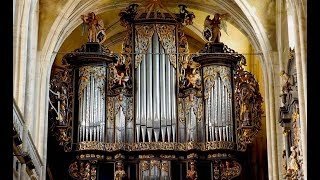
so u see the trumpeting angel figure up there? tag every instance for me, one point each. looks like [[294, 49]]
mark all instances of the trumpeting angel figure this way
[[212, 27]]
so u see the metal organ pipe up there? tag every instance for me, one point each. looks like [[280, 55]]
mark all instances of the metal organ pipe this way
[[218, 112], [143, 99], [156, 84], [138, 110], [91, 105], [163, 94], [156, 99], [168, 90], [149, 93], [173, 97]]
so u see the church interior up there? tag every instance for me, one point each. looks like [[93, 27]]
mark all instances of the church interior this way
[[159, 89]]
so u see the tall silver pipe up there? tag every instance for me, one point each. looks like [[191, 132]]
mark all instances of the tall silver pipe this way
[[138, 103], [80, 120], [231, 118], [87, 112], [216, 125], [149, 94], [168, 92], [207, 119], [84, 109], [163, 93], [173, 97], [212, 114], [227, 111], [91, 107], [98, 114], [156, 88], [143, 97], [104, 118], [223, 120], [219, 108]]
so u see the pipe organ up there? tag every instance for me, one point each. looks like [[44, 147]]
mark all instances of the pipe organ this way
[[154, 111]]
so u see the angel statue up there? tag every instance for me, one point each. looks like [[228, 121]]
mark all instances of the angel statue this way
[[96, 30], [212, 27]]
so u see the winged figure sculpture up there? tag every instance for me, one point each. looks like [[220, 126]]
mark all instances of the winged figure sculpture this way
[[212, 27]]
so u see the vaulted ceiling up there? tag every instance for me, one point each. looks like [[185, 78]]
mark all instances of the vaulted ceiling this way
[[108, 10]]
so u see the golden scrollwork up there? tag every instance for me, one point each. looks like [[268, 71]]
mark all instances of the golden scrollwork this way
[[220, 155], [90, 156], [167, 37], [220, 145], [181, 113], [147, 146], [165, 156], [183, 42], [119, 156], [82, 170], [146, 156], [155, 163], [230, 170], [93, 173], [190, 74], [192, 156], [195, 103], [294, 164], [210, 73], [165, 166], [248, 107], [99, 75], [142, 41], [60, 112], [145, 165]]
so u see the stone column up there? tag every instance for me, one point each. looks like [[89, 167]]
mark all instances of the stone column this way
[[22, 53], [29, 112], [301, 93], [303, 43], [21, 59]]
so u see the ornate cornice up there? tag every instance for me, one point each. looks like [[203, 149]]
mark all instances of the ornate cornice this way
[[155, 146]]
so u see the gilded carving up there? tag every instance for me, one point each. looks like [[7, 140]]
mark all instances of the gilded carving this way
[[167, 37], [119, 156], [99, 75], [294, 163], [145, 165], [82, 170], [144, 34], [164, 167], [248, 107], [165, 156], [220, 155], [190, 74], [210, 74], [230, 170], [155, 163], [186, 17], [60, 112], [192, 172], [147, 156], [119, 174], [192, 156], [181, 113], [226, 169]]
